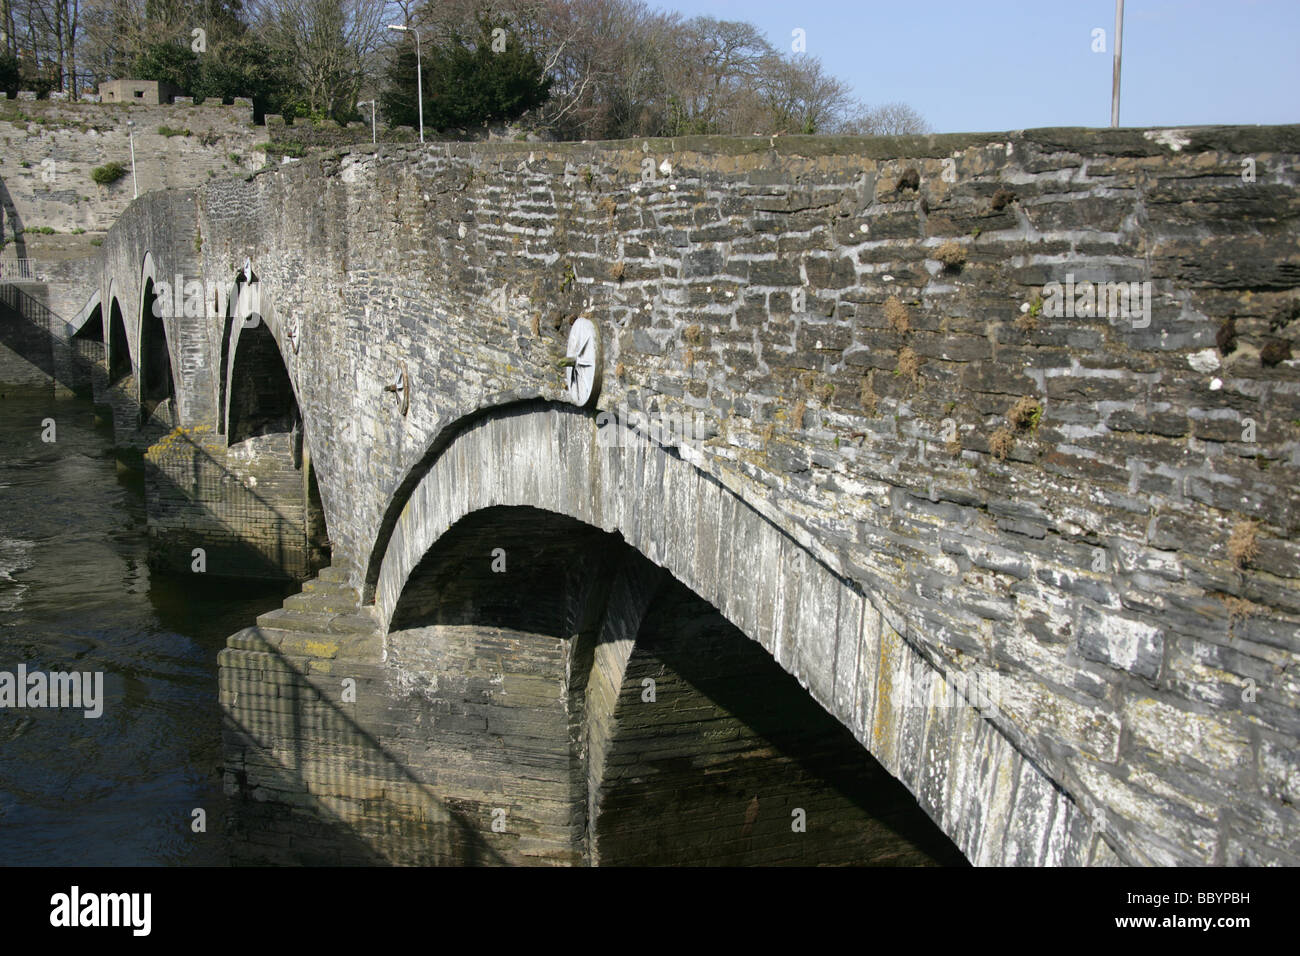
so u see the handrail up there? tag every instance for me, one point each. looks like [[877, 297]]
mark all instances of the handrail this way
[[31, 308], [18, 269]]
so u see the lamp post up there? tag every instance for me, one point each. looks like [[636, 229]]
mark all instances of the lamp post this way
[[130, 135], [1114, 83], [419, 77], [371, 103]]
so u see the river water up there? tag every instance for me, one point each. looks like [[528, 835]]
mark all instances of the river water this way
[[76, 594]]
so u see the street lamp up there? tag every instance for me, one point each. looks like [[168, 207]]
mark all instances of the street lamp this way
[[130, 135], [419, 78], [371, 103]]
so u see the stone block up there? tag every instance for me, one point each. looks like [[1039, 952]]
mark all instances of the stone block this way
[[1120, 642]]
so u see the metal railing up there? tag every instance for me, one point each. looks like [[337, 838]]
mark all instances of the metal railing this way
[[18, 269], [33, 309]]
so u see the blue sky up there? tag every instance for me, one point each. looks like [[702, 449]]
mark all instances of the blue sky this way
[[991, 65]]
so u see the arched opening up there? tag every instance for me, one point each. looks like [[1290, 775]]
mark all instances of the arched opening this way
[[119, 353], [494, 627], [273, 501], [261, 397], [652, 730], [443, 665], [719, 757], [92, 330], [223, 377], [157, 387], [88, 349]]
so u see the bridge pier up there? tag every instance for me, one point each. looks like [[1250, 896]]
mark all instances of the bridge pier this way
[[253, 511]]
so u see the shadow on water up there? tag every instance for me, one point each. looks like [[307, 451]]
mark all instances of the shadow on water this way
[[123, 789], [77, 594]]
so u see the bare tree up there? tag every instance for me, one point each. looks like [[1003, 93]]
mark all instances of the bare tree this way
[[607, 58], [891, 119], [8, 41], [621, 69], [331, 44], [718, 63], [114, 33], [618, 67], [800, 95], [43, 34]]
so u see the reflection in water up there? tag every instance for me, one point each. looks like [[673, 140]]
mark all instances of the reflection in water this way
[[76, 594]]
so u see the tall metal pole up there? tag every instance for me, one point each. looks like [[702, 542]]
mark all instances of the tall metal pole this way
[[130, 133], [1119, 46]]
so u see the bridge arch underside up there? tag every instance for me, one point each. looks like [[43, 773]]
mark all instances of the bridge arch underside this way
[[541, 570], [261, 400], [120, 384], [89, 346], [617, 718], [157, 383]]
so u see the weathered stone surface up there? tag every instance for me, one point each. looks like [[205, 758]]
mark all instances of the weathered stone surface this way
[[1120, 642]]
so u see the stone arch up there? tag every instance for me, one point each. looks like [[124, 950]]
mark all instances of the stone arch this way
[[89, 322], [521, 620], [994, 803], [260, 396], [87, 341], [120, 364], [264, 429], [156, 381]]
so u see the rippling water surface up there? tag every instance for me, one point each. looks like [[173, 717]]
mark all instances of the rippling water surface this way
[[76, 594]]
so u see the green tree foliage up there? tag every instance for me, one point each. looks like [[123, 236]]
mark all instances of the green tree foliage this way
[[108, 174], [167, 63], [467, 82], [240, 66], [247, 66]]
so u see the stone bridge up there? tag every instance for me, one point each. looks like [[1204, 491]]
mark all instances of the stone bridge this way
[[890, 532]]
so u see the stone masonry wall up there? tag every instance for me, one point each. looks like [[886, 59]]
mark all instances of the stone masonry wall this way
[[50, 148], [246, 506], [1093, 516]]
